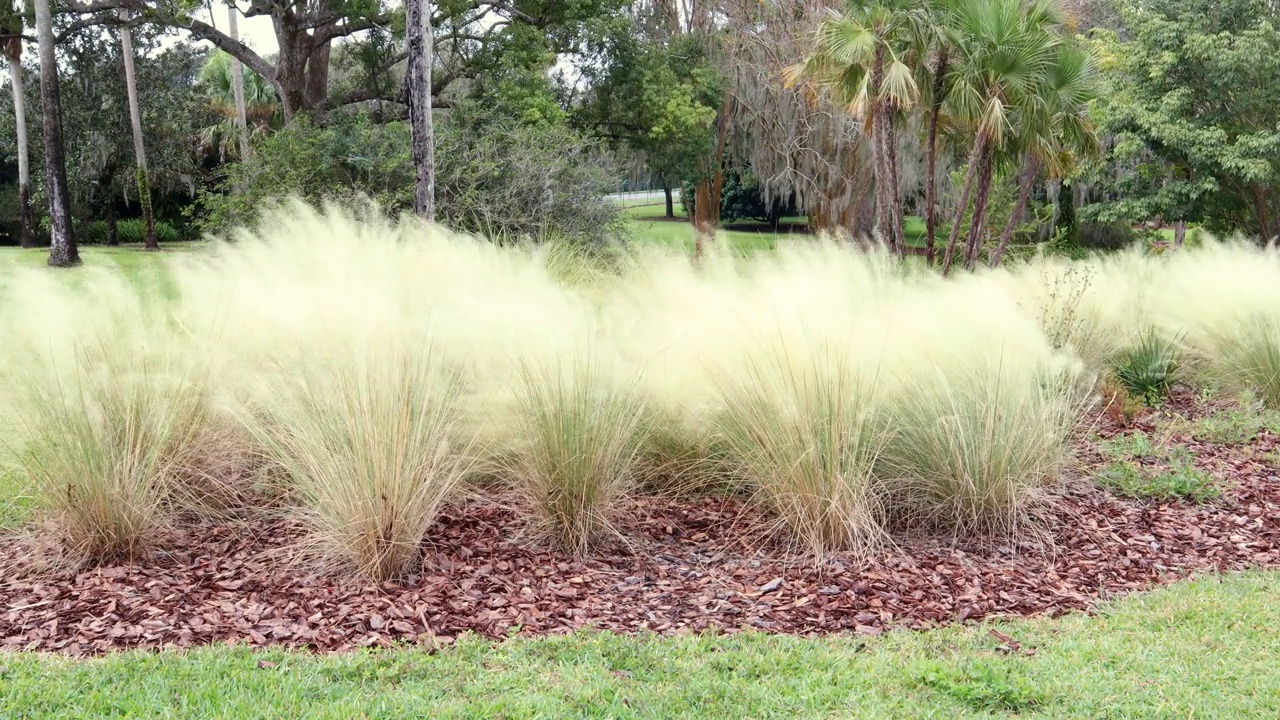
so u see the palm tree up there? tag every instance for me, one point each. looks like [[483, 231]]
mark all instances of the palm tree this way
[[262, 107], [1004, 50], [936, 41], [62, 250], [860, 56], [11, 45], [135, 123], [1057, 132]]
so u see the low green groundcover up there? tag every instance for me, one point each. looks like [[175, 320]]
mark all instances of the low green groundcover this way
[[1204, 649]]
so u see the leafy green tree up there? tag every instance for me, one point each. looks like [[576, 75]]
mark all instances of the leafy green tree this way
[[1190, 116], [11, 27], [495, 176], [658, 100]]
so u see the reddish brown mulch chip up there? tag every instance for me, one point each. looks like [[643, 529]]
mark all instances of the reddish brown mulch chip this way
[[685, 565]]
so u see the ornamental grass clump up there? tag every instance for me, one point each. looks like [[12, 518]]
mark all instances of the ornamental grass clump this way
[[582, 426], [805, 427], [370, 442], [982, 406], [109, 410]]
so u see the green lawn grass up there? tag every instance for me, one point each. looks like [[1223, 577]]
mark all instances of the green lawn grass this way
[[648, 225], [1205, 649]]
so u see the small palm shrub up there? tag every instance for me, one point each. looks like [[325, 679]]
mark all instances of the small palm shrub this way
[[1148, 368], [806, 431], [581, 429], [369, 441]]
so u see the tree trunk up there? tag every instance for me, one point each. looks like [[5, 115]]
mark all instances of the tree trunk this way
[[706, 194], [667, 195], [317, 76], [418, 20], [113, 227], [135, 123], [1261, 214], [62, 250], [1179, 233], [26, 233], [895, 193], [1026, 182], [931, 158], [970, 175], [237, 86], [879, 162], [977, 225]]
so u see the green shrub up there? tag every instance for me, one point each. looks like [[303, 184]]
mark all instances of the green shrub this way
[[1148, 369], [1107, 236], [130, 231]]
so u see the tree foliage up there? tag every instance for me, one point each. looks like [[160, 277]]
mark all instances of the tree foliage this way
[[1190, 115]]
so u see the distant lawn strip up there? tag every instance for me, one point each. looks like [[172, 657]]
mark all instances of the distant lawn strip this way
[[1201, 649]]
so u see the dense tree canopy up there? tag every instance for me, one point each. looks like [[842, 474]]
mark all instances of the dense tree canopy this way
[[992, 120]]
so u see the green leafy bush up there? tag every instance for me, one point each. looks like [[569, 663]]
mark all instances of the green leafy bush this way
[[1148, 368], [130, 231], [1107, 236], [500, 179]]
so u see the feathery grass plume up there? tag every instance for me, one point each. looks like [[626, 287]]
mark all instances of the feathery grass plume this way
[[805, 425], [1226, 296], [582, 427], [110, 405], [983, 407], [369, 438]]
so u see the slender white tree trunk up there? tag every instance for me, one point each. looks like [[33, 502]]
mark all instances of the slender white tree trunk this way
[[135, 122], [62, 249], [418, 21], [26, 236], [237, 85]]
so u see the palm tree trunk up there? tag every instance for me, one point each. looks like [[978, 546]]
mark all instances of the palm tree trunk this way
[[113, 227], [883, 229], [977, 225], [62, 249], [26, 236], [931, 158], [970, 175], [237, 86], [895, 192], [135, 123], [1026, 181], [418, 19]]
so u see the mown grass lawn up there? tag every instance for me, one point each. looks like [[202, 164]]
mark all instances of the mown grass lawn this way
[[648, 226], [1203, 649]]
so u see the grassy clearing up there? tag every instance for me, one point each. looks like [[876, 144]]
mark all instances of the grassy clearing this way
[[1202, 649]]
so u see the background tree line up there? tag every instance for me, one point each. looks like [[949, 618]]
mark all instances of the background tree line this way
[[998, 123]]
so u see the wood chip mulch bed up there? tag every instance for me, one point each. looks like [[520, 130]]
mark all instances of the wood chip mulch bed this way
[[704, 564]]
